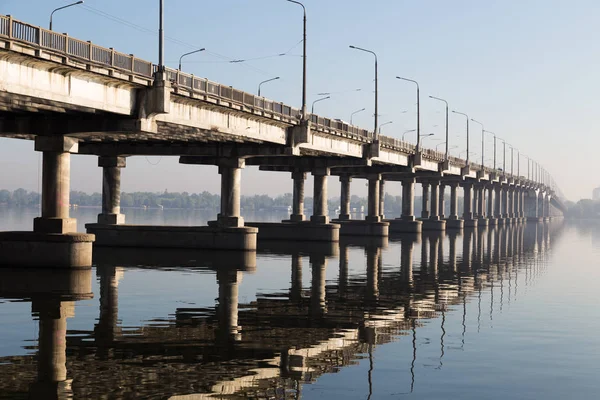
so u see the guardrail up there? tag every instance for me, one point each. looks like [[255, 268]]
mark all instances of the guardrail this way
[[108, 57]]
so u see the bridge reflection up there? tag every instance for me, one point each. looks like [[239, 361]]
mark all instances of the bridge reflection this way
[[278, 342]]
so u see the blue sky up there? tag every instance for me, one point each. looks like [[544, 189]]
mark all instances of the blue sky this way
[[526, 69]]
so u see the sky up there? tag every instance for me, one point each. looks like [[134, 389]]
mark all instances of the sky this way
[[526, 69]]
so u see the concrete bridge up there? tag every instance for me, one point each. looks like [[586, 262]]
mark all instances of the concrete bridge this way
[[72, 96]]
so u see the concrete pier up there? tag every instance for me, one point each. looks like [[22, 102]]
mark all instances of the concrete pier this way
[[299, 178], [453, 222], [469, 221], [345, 181], [434, 223], [54, 241], [111, 190], [407, 223]]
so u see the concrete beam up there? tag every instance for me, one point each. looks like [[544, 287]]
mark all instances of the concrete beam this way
[[306, 163]]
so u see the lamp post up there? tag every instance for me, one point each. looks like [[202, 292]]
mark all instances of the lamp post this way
[[356, 112], [438, 145], [418, 111], [312, 111], [492, 133], [384, 124], [187, 54], [61, 8], [428, 135], [465, 115], [447, 139], [482, 143], [376, 87], [303, 60], [268, 80], [161, 36], [408, 131], [504, 157]]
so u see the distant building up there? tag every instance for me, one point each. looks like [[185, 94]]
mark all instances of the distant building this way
[[596, 194]]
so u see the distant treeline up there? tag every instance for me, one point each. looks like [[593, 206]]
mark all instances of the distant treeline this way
[[585, 208], [204, 200]]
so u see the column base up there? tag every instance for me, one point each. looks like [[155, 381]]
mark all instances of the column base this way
[[455, 224], [54, 225], [370, 218], [111, 219], [405, 226], [42, 250], [536, 220], [363, 228], [344, 217], [297, 231], [319, 219], [492, 221], [470, 223], [297, 218], [226, 222], [482, 222], [175, 237], [434, 225]]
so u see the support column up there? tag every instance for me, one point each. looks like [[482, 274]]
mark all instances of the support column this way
[[56, 183], [511, 202], [320, 196], [345, 198], [231, 174], [522, 194], [425, 201], [408, 199], [406, 261], [517, 196], [298, 197], [490, 202], [505, 212], [469, 221], [111, 190], [442, 201], [453, 201], [476, 210], [498, 202], [373, 213], [296, 288], [482, 220], [228, 280], [318, 305], [381, 199], [434, 201]]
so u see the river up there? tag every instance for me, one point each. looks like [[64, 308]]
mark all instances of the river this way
[[508, 312]]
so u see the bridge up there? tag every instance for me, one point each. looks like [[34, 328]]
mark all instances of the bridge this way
[[72, 96]]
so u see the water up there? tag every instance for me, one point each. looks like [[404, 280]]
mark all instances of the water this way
[[503, 313]]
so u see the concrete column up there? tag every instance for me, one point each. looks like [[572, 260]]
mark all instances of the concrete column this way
[[298, 197], [381, 199], [453, 201], [108, 322], [522, 194], [452, 251], [434, 242], [373, 215], [482, 201], [296, 289], [490, 202], [56, 182], [373, 254], [476, 201], [231, 174], [498, 202], [468, 201], [408, 199], [345, 198], [320, 196], [434, 201], [406, 261], [511, 202], [505, 212], [318, 303], [228, 280], [111, 190], [343, 272], [442, 201], [425, 201]]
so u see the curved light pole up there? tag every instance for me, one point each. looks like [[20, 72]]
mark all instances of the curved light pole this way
[[356, 112], [268, 80], [303, 61], [428, 135], [187, 54], [384, 124], [63, 7], [504, 157], [418, 111], [405, 132], [376, 87], [492, 133], [447, 139], [161, 37], [465, 115], [312, 111], [482, 143], [438, 145]]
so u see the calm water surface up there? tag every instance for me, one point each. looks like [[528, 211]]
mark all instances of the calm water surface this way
[[501, 313]]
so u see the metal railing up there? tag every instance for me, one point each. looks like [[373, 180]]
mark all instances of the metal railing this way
[[128, 63]]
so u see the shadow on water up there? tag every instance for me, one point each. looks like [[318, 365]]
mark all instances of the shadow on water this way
[[274, 345]]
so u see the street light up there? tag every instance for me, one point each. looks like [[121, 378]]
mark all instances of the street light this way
[[492, 133], [268, 80], [456, 112], [438, 145], [312, 111], [482, 142], [63, 7], [356, 112], [447, 139], [405, 132], [376, 86], [384, 124], [428, 135], [418, 111], [187, 54], [161, 37], [303, 61]]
